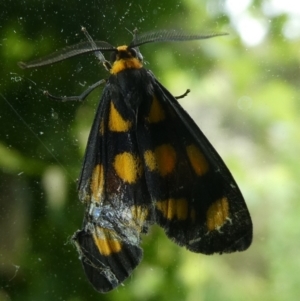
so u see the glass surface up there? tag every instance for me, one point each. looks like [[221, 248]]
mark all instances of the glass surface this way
[[244, 96]]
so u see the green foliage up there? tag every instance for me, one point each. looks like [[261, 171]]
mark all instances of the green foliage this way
[[244, 97]]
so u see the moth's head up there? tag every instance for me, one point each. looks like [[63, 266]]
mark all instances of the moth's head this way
[[124, 53], [125, 57]]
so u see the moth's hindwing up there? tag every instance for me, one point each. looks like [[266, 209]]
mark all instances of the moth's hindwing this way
[[107, 260]]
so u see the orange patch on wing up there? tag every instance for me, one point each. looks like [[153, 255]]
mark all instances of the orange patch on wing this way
[[217, 214], [166, 159], [128, 167], [97, 182], [156, 113], [173, 208], [197, 160], [116, 122]]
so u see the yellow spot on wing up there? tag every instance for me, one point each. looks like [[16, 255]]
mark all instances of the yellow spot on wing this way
[[97, 182], [162, 159], [197, 159], [166, 159], [150, 160], [128, 167], [139, 212], [105, 241], [173, 208], [217, 214], [139, 215], [156, 113], [116, 122]]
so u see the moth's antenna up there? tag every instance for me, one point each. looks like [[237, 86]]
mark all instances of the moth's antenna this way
[[71, 51], [169, 36]]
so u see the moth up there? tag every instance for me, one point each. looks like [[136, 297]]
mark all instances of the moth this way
[[147, 162]]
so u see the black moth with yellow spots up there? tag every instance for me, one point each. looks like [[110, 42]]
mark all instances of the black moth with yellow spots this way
[[147, 162]]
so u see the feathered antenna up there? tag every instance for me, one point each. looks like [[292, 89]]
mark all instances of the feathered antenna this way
[[98, 46], [169, 36], [71, 51]]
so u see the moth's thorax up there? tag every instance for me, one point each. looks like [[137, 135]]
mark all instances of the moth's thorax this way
[[125, 60]]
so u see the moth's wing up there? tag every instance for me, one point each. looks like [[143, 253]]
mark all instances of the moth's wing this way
[[198, 203], [107, 262], [113, 188]]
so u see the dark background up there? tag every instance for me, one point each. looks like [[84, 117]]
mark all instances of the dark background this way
[[245, 97]]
